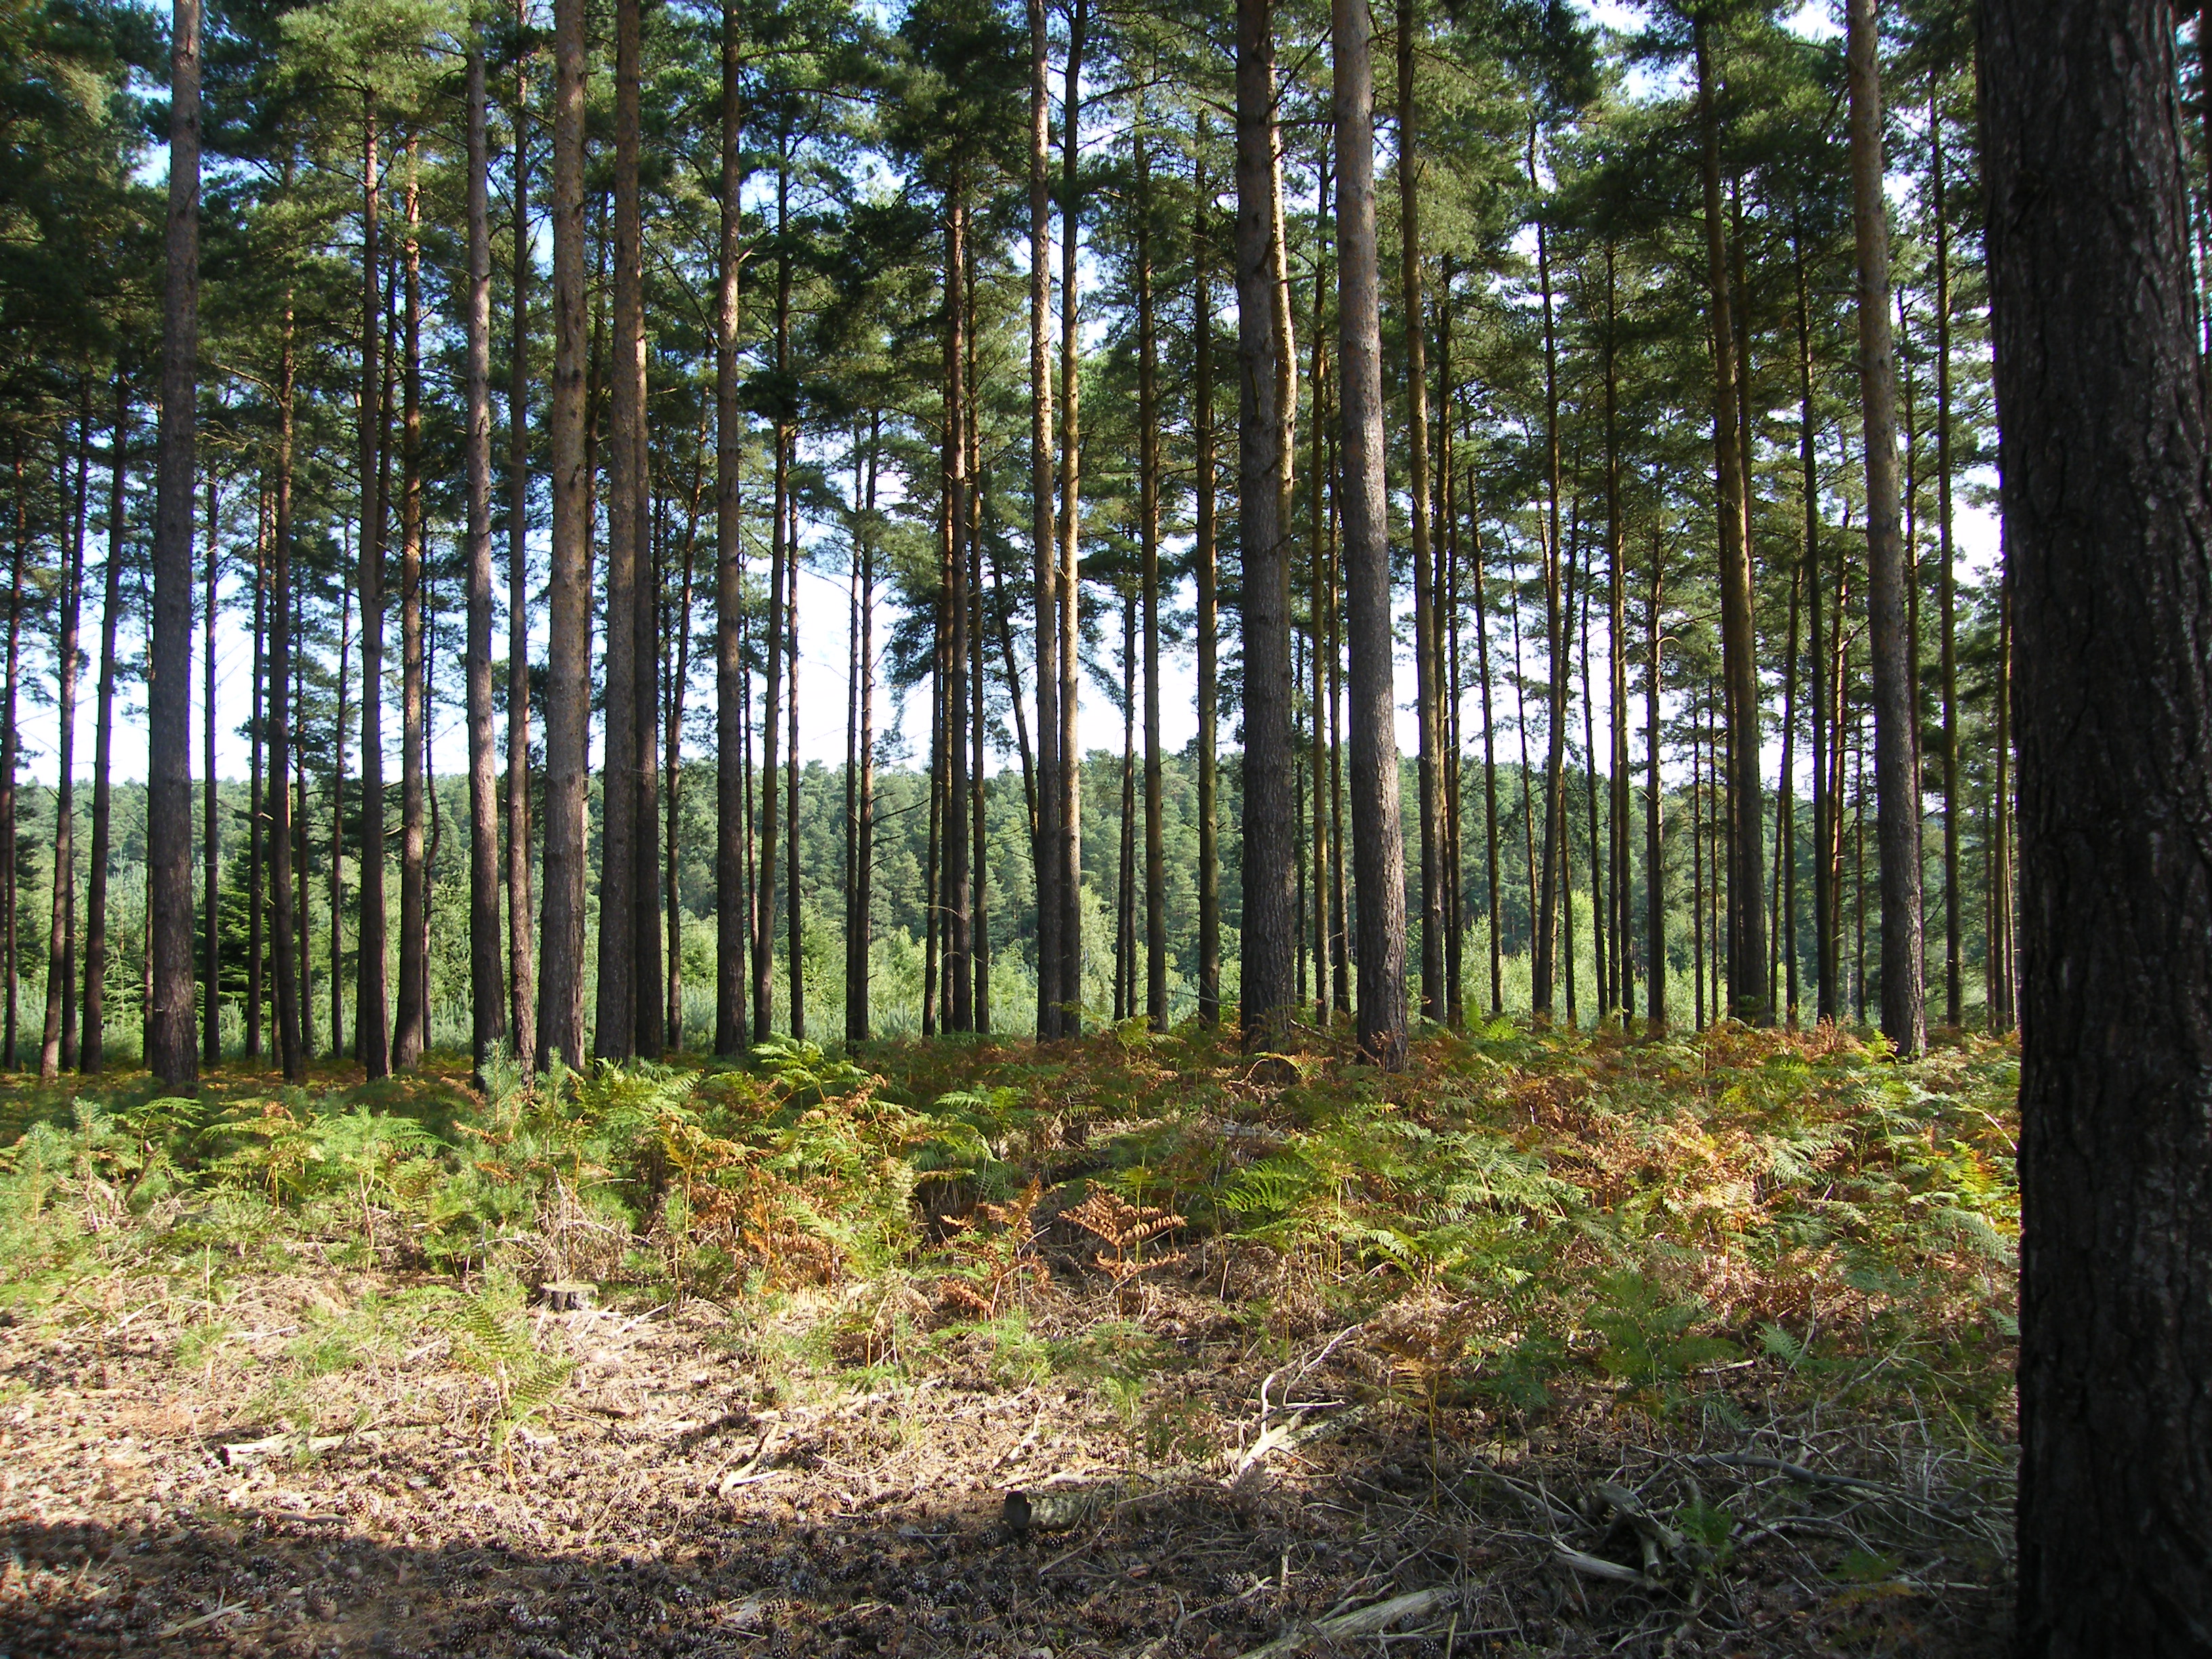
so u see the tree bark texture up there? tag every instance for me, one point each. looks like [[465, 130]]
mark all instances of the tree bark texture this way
[[1897, 786], [170, 1050], [1270, 875], [2107, 521], [1378, 848]]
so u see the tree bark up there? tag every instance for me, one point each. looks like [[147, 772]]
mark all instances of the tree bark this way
[[1896, 793], [1148, 541], [614, 1026], [1204, 560], [1654, 802], [92, 1053], [1378, 847], [61, 934], [1270, 877], [521, 945], [1068, 878], [487, 982], [732, 693], [1045, 856], [861, 887], [2103, 461], [1954, 1013], [372, 1038], [411, 1027], [1746, 826], [1429, 704], [569, 665], [170, 1049], [288, 924], [210, 824]]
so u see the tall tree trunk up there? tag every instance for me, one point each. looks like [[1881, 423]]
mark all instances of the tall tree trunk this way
[[1204, 561], [679, 681], [614, 1026], [1429, 703], [1785, 835], [1124, 880], [1825, 1004], [1746, 826], [487, 982], [170, 1050], [1148, 542], [2003, 1003], [372, 1037], [288, 925], [1623, 975], [92, 1055], [337, 825], [1378, 847], [569, 600], [959, 985], [1270, 875], [2103, 461], [647, 1015], [210, 823], [731, 692], [1897, 810], [796, 966], [1490, 850], [61, 934], [860, 884], [255, 728], [1068, 878], [521, 945], [1953, 1012], [410, 1028], [1655, 805], [773, 631], [1045, 852], [1320, 611]]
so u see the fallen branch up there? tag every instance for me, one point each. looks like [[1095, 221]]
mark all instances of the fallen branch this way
[[1361, 1621]]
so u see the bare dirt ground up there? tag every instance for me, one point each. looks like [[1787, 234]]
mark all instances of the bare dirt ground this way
[[703, 1483]]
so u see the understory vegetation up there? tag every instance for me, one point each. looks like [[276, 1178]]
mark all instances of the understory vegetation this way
[[1662, 1300]]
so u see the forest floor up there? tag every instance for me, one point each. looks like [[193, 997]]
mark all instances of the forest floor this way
[[1551, 1345]]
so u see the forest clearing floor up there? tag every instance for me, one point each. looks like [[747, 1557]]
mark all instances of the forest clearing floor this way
[[1553, 1344]]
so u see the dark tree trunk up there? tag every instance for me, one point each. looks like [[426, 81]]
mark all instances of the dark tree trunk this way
[[1270, 876], [1897, 792], [1655, 798], [1045, 854], [569, 661], [170, 1049], [210, 824], [1428, 702], [1953, 1012], [1068, 877], [1148, 539], [288, 925], [93, 1052], [487, 982], [1203, 558], [959, 961], [255, 848], [732, 693], [411, 1026], [2103, 462], [614, 1025], [1745, 824], [61, 934], [372, 1037], [858, 916], [1377, 845], [521, 945], [338, 826]]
